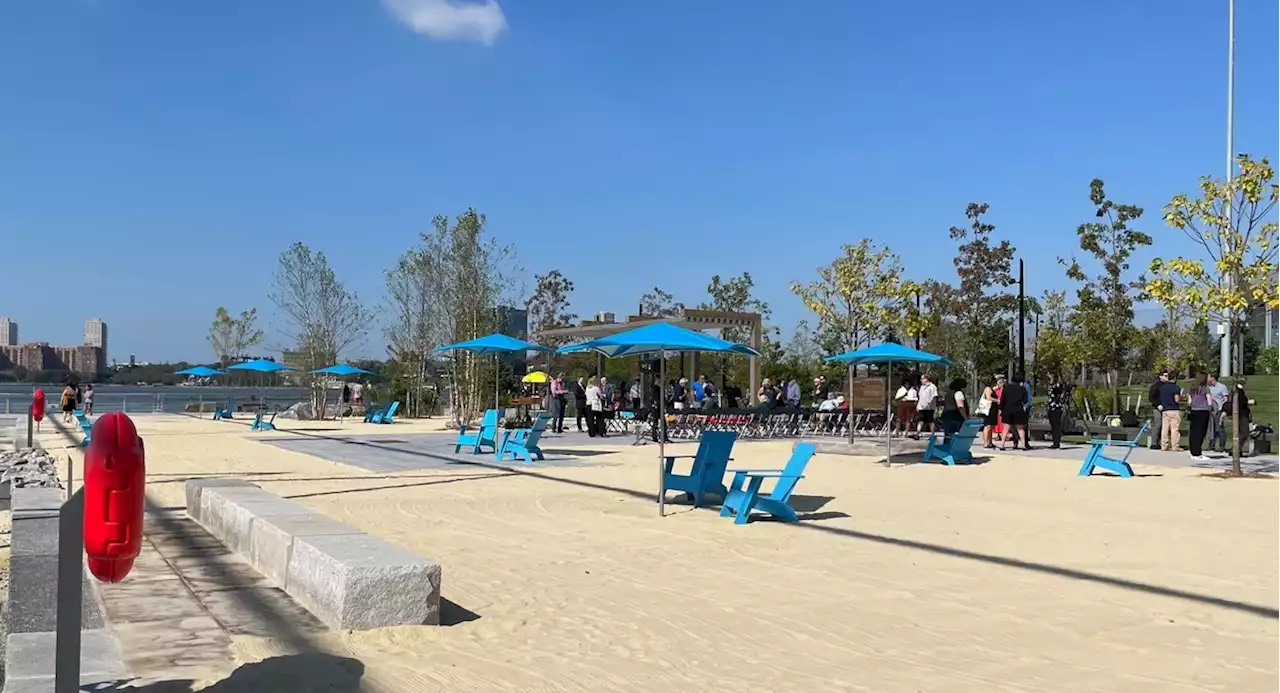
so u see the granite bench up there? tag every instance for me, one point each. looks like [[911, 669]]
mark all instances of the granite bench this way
[[346, 578]]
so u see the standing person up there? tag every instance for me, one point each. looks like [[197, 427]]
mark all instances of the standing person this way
[[559, 400], [1013, 406], [1056, 407], [1170, 413], [699, 392], [989, 409], [68, 403], [793, 393], [1153, 398], [607, 399], [1000, 429], [766, 397], [925, 404], [954, 409], [634, 395], [1246, 416], [1201, 412], [88, 400], [594, 406], [906, 397], [708, 392], [820, 394], [580, 404], [679, 394], [1218, 416]]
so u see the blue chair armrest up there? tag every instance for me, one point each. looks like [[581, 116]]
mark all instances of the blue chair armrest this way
[[775, 474], [754, 470], [1114, 443]]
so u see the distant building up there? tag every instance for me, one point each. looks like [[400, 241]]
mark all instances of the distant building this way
[[34, 357], [1263, 324], [8, 332], [95, 335], [514, 322]]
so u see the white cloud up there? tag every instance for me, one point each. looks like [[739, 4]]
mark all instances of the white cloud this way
[[451, 19]]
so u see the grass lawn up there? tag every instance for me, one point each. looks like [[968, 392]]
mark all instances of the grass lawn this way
[[1262, 390]]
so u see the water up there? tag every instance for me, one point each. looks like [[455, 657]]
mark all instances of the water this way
[[15, 398]]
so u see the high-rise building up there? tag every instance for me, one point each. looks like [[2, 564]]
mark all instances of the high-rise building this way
[[8, 332], [95, 335]]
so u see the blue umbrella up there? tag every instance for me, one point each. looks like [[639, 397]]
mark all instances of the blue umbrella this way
[[199, 371], [261, 366], [659, 338], [342, 369], [888, 353], [495, 344]]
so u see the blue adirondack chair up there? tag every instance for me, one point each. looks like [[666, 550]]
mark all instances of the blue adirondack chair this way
[[226, 412], [958, 448], [86, 427], [371, 412], [384, 416], [523, 442], [484, 434], [741, 500], [707, 473], [260, 424], [1120, 465]]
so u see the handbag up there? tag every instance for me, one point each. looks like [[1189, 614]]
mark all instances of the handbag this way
[[984, 406]]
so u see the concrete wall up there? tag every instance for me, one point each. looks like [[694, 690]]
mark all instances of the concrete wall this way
[[346, 578]]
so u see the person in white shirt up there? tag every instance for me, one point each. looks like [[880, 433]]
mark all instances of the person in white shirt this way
[[906, 397], [928, 398], [595, 408]]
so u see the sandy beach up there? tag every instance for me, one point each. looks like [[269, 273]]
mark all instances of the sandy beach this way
[[1014, 575]]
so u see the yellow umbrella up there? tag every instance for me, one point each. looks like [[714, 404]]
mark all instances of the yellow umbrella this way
[[535, 377]]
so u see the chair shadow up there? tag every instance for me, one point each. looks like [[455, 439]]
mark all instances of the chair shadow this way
[[808, 504], [309, 672], [576, 453], [452, 613]]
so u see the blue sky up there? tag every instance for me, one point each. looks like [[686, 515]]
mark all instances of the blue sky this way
[[155, 157]]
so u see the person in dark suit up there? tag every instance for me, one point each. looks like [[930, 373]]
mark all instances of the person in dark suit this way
[[580, 403]]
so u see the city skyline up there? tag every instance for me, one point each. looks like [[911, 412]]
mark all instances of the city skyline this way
[[89, 357]]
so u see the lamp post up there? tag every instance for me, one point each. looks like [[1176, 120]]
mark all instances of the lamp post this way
[[1224, 361]]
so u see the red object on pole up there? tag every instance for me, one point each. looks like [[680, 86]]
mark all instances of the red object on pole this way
[[37, 405], [114, 474]]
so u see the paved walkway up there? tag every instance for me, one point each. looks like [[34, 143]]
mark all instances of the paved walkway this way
[[1155, 458], [385, 454]]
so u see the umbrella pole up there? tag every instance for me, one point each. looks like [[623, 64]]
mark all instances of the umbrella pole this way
[[662, 434], [495, 382], [888, 412]]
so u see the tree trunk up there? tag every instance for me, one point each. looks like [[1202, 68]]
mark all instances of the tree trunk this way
[[1235, 412]]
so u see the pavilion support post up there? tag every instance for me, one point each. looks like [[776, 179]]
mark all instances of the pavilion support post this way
[[754, 368]]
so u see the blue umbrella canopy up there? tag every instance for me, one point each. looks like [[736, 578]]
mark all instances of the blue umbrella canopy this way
[[492, 344], [199, 371], [656, 338], [343, 369], [888, 352], [261, 366]]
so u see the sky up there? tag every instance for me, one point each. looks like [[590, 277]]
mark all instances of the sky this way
[[156, 157]]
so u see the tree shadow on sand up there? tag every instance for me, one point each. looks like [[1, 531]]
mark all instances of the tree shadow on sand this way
[[311, 672]]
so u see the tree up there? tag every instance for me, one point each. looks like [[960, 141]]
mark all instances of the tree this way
[[231, 337], [471, 277], [858, 297], [1104, 311], [660, 304], [1230, 222], [980, 304], [322, 319], [549, 307], [734, 295], [1057, 350], [1268, 362], [416, 325]]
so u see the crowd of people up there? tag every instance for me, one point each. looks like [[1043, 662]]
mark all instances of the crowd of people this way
[[1209, 403], [75, 396]]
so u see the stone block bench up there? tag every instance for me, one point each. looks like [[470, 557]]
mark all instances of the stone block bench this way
[[346, 578], [30, 619]]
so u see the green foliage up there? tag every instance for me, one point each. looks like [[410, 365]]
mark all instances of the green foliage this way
[[232, 337], [859, 297], [660, 304], [549, 307], [980, 306], [1104, 311], [734, 295], [1268, 361]]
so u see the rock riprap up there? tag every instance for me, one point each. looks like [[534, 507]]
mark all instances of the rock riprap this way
[[30, 468]]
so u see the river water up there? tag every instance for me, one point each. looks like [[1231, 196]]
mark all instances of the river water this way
[[15, 398]]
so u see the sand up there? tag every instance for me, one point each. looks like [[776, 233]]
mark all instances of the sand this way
[[1014, 575]]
